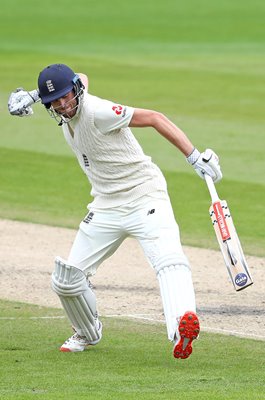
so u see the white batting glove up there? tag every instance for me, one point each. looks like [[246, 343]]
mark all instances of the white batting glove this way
[[19, 102], [206, 163]]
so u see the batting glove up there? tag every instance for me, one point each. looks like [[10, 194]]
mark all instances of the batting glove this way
[[206, 163], [19, 102]]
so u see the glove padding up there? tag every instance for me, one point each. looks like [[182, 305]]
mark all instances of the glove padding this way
[[206, 163], [19, 102]]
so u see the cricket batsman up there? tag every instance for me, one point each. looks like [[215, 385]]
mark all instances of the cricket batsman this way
[[130, 199]]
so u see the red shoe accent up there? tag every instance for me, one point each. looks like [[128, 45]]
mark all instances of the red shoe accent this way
[[65, 349], [189, 329]]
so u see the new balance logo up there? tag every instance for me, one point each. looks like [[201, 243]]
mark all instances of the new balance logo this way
[[86, 162], [88, 218], [151, 211]]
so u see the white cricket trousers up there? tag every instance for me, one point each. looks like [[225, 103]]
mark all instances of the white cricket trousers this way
[[151, 221]]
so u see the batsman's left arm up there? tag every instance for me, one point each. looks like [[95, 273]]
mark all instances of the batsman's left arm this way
[[84, 79]]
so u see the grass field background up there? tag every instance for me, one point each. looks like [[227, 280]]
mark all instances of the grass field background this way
[[202, 64], [133, 361]]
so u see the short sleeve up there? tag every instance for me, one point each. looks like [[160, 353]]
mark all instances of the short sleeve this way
[[110, 116]]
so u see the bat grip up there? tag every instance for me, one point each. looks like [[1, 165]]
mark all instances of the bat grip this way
[[211, 188]]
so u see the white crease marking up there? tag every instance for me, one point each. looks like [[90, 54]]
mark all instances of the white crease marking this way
[[148, 317]]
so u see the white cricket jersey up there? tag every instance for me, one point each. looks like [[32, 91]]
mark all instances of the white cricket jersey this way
[[110, 155]]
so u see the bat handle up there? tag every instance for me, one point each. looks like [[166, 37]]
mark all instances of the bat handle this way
[[211, 188]]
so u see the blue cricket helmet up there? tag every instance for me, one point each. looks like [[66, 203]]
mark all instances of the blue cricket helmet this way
[[56, 81]]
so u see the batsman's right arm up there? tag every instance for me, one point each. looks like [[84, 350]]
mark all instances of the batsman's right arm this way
[[206, 162], [149, 118]]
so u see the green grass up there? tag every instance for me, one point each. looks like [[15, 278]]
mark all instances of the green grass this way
[[132, 361], [38, 189]]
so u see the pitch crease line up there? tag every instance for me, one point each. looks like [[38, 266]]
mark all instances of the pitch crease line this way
[[205, 328], [142, 317]]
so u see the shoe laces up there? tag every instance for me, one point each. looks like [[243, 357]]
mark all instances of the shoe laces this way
[[78, 337]]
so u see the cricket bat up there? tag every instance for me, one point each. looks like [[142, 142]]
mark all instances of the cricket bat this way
[[228, 239]]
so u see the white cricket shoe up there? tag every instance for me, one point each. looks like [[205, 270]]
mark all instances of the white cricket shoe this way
[[79, 343]]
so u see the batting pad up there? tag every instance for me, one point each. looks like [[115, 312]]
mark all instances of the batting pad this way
[[78, 300], [177, 294]]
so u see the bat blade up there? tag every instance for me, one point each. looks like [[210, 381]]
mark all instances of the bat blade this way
[[230, 245]]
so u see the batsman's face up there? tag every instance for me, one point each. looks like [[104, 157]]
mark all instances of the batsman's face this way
[[66, 105]]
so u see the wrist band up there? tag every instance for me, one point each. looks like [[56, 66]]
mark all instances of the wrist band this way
[[34, 94], [193, 157]]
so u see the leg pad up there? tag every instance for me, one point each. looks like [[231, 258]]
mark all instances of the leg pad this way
[[177, 294], [77, 298]]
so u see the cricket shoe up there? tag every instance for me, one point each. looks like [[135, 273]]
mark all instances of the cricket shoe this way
[[79, 343], [189, 329]]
